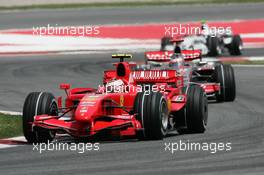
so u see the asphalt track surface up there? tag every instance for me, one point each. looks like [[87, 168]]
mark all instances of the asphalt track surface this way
[[240, 122], [23, 74]]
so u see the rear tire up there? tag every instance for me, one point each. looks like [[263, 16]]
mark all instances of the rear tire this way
[[38, 103], [224, 74], [235, 48], [152, 112]]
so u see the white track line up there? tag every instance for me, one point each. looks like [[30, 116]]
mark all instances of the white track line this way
[[11, 113], [257, 58], [28, 43], [252, 35], [248, 65], [7, 146]]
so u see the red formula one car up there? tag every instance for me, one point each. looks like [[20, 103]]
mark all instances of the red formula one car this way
[[217, 79], [132, 102]]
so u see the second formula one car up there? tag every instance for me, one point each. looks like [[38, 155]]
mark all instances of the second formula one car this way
[[217, 79]]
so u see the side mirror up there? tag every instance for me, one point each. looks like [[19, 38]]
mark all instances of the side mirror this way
[[65, 86]]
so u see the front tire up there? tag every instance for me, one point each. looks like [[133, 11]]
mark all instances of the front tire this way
[[38, 103], [152, 112], [213, 46], [196, 111]]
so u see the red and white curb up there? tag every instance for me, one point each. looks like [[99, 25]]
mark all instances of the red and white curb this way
[[12, 142], [42, 44], [138, 37]]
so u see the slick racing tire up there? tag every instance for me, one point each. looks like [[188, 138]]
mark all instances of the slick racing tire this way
[[235, 48], [166, 40], [38, 103], [224, 74], [152, 112], [213, 46], [196, 110]]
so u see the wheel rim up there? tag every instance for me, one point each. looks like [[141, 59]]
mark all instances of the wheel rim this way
[[240, 47], [164, 115]]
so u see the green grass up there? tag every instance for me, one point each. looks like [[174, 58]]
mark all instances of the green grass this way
[[245, 62], [125, 4], [10, 126]]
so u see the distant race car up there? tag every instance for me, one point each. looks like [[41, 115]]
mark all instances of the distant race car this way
[[144, 103], [217, 79], [211, 43]]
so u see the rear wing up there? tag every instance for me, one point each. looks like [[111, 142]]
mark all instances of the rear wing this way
[[122, 56], [159, 56], [165, 56]]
